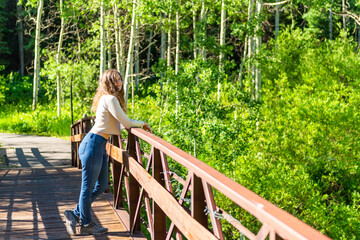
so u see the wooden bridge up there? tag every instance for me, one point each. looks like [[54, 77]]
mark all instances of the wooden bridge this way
[[156, 190]]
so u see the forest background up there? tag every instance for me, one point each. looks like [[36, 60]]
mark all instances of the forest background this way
[[265, 92]]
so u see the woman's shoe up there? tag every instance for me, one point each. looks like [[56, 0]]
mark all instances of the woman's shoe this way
[[71, 221], [92, 229]]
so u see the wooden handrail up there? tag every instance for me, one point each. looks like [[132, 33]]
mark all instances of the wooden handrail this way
[[153, 183]]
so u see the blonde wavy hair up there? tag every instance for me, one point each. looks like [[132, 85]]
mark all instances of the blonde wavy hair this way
[[107, 87]]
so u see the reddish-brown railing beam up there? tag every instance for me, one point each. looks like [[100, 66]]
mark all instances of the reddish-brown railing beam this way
[[286, 225], [141, 186]]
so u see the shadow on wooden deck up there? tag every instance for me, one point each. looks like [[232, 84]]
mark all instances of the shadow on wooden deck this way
[[32, 202]]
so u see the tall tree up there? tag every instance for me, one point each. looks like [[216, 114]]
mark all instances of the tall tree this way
[[102, 38], [277, 17], [130, 53], [20, 31], [37, 54], [58, 60], [222, 44]]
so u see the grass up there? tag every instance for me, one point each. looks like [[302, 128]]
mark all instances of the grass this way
[[43, 121]]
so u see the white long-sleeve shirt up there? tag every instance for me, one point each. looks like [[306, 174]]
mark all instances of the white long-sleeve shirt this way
[[109, 115]]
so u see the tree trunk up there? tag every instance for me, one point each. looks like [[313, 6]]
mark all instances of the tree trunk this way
[[130, 54], [37, 54], [177, 51], [222, 45], [203, 19], [343, 12], [102, 38], [20, 31], [177, 57], [251, 47], [137, 59], [117, 38], [108, 48], [163, 39], [257, 86], [169, 42], [149, 53], [330, 23], [58, 61], [277, 17], [194, 28]]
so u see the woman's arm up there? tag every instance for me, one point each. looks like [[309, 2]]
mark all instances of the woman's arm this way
[[115, 109]]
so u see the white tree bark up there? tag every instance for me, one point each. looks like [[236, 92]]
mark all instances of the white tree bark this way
[[37, 54], [203, 18], [343, 12], [169, 42], [222, 45], [163, 38], [102, 38], [259, 6], [177, 51], [130, 54], [137, 59], [251, 46], [149, 53], [58, 61], [117, 37], [20, 31], [222, 35], [108, 48], [194, 35]]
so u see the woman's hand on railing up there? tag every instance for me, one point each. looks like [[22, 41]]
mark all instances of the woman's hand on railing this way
[[146, 127]]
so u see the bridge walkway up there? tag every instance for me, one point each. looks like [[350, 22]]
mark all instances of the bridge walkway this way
[[37, 185]]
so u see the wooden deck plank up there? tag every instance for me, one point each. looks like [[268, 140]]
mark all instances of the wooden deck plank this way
[[32, 202]]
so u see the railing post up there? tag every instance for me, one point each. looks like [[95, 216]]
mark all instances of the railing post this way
[[73, 148], [79, 131], [116, 169], [159, 217], [198, 203], [133, 186]]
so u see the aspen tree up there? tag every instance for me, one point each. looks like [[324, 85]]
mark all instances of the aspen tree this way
[[177, 56], [343, 12], [222, 45], [259, 6], [20, 31], [194, 29], [251, 46], [108, 48], [149, 52], [169, 41], [277, 19], [130, 53], [58, 60], [36, 81], [102, 38], [203, 19], [163, 38], [118, 41], [177, 51], [137, 59]]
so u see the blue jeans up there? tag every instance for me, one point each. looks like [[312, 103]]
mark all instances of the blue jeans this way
[[94, 182]]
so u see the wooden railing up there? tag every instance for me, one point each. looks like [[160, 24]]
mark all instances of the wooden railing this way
[[144, 183]]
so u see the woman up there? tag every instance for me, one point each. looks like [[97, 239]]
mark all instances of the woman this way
[[109, 104]]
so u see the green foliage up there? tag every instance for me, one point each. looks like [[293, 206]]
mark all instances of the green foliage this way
[[15, 89], [44, 121], [297, 148]]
